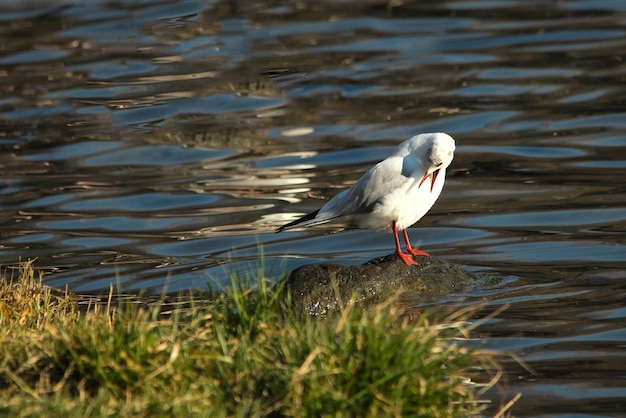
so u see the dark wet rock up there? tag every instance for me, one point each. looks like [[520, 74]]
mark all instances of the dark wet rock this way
[[321, 288]]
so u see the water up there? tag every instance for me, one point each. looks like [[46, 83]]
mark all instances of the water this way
[[156, 145]]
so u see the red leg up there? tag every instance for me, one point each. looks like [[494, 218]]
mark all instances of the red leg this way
[[406, 258], [412, 250]]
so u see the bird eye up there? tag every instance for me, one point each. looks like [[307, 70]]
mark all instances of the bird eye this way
[[439, 164]]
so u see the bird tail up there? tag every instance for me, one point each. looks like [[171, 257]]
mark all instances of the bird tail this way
[[306, 220]]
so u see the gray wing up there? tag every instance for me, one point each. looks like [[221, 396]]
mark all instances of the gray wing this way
[[373, 186]]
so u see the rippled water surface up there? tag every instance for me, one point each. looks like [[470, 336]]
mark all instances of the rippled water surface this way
[[157, 145]]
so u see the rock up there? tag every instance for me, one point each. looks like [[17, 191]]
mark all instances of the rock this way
[[321, 288]]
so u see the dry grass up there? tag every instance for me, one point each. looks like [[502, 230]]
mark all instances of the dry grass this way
[[26, 304], [246, 354]]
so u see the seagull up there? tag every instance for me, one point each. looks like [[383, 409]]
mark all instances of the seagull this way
[[395, 193]]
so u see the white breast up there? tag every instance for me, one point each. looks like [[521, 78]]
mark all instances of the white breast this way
[[405, 205]]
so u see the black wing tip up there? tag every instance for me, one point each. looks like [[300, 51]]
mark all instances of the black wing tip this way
[[291, 224]]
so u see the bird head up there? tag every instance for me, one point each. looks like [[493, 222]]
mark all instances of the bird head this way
[[438, 156]]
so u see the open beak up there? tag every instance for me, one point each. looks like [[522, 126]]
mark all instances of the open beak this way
[[433, 176]]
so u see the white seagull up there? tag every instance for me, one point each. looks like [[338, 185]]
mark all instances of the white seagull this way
[[395, 193]]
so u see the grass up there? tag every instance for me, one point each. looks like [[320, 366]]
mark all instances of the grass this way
[[246, 354]]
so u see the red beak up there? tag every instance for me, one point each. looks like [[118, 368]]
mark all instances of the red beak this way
[[433, 176]]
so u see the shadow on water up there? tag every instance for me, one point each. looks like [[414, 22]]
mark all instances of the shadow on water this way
[[159, 144]]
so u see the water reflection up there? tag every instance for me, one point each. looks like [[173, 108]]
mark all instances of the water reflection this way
[[157, 145]]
